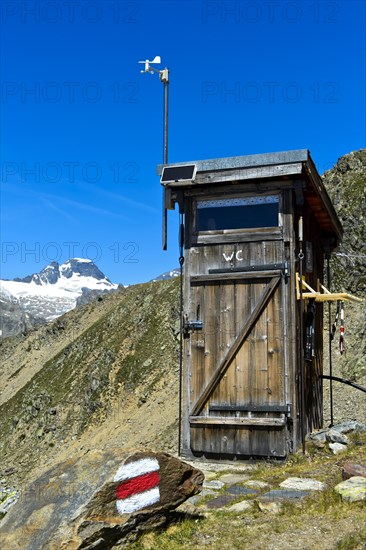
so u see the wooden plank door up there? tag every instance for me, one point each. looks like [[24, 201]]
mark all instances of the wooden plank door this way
[[237, 396]]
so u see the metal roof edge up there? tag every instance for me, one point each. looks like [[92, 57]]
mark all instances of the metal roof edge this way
[[247, 161]]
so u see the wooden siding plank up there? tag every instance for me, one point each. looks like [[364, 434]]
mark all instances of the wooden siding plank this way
[[244, 188], [197, 341], [243, 308], [227, 337], [215, 378], [232, 236]]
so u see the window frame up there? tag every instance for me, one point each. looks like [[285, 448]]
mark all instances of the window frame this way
[[237, 231]]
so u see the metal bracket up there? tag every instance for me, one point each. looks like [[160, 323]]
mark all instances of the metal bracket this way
[[191, 326], [283, 266]]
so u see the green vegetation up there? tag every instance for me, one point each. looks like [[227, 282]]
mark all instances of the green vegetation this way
[[129, 347], [320, 521]]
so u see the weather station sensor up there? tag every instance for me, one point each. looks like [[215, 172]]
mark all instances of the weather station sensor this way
[[182, 173], [164, 78], [147, 64]]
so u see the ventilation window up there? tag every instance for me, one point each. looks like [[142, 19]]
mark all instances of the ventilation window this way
[[239, 213]]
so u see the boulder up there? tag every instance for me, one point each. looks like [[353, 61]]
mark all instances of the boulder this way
[[270, 507], [337, 448], [335, 436], [349, 426], [353, 489], [350, 470], [8, 497], [100, 500], [318, 435]]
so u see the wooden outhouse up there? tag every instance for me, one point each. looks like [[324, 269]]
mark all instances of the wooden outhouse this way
[[254, 226]]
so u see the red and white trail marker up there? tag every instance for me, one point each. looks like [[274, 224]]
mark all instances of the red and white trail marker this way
[[139, 485]]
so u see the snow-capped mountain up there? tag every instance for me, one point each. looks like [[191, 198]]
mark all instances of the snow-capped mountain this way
[[67, 275], [167, 275], [53, 291]]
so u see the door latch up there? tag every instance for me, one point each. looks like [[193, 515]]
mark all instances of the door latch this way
[[191, 326]]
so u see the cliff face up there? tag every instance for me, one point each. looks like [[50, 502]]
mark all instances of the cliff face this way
[[346, 185]]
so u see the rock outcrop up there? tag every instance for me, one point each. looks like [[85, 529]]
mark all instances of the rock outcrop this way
[[103, 499]]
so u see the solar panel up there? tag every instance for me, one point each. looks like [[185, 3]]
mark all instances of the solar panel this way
[[185, 172]]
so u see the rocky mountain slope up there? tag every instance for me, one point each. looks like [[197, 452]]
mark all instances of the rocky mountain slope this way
[[346, 185], [13, 318], [106, 372]]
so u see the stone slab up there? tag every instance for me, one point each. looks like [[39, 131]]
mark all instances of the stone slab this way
[[302, 484], [204, 493], [256, 484], [209, 476], [240, 490], [220, 501], [215, 484], [241, 506], [230, 479], [284, 494]]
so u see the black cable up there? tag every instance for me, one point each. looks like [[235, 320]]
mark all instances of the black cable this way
[[344, 381], [181, 264], [301, 321]]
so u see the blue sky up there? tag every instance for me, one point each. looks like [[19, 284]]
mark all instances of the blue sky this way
[[81, 128]]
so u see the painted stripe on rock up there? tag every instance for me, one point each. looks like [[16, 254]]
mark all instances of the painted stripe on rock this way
[[139, 501], [137, 485], [138, 468]]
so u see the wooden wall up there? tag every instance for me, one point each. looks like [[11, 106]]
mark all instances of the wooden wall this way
[[264, 370]]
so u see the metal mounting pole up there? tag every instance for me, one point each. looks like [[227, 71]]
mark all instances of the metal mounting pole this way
[[164, 77], [181, 325]]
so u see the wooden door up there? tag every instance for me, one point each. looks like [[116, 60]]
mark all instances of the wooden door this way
[[236, 383]]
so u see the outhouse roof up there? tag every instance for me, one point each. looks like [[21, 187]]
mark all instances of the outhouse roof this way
[[296, 164]]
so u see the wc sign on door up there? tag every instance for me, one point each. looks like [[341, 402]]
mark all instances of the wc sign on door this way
[[139, 485], [230, 257]]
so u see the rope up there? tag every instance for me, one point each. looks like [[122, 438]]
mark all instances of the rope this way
[[341, 330], [334, 326]]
